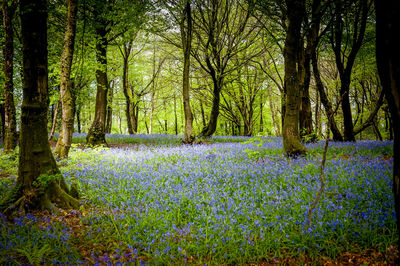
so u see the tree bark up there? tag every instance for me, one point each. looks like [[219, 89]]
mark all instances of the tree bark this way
[[291, 137], [96, 134], [54, 123], [39, 182], [388, 61], [67, 100], [186, 34], [305, 116], [10, 122], [211, 126]]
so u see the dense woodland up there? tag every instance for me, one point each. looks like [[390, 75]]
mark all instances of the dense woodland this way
[[305, 70], [141, 65]]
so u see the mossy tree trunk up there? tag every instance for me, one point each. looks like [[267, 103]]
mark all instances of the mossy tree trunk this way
[[67, 99], [96, 134], [10, 122], [39, 183], [291, 137], [388, 61]]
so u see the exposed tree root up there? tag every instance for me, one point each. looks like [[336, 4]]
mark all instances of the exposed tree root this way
[[38, 199]]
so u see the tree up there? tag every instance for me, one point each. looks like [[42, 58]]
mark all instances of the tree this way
[[222, 30], [111, 19], [186, 27], [350, 40], [96, 134], [67, 100], [388, 61], [10, 122], [39, 182], [291, 137]]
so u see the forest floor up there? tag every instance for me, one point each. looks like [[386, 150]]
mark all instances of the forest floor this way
[[103, 230]]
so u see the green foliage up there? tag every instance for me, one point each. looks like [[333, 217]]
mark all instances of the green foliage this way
[[44, 180], [9, 163]]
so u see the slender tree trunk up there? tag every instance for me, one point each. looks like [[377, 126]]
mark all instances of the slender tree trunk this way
[[186, 34], [68, 102], [78, 119], [388, 61], [54, 123], [153, 93], [291, 137], [3, 118], [305, 116], [261, 116], [345, 68], [10, 122], [152, 104], [203, 116], [35, 157], [337, 136], [273, 114], [175, 116], [96, 134], [109, 109], [129, 111]]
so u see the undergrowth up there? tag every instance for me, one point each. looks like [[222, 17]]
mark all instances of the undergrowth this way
[[226, 203]]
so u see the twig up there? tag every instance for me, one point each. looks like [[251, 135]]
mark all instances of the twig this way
[[321, 178]]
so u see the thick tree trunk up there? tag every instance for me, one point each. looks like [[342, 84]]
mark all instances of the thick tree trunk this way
[[96, 134], [10, 122], [388, 61], [67, 100], [39, 182], [186, 34], [291, 137], [210, 128]]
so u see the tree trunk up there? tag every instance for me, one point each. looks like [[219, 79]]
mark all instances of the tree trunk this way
[[109, 109], [388, 61], [54, 123], [3, 118], [10, 122], [345, 66], [305, 116], [78, 119], [129, 110], [96, 134], [67, 100], [261, 116], [175, 116], [39, 182], [273, 114], [291, 137], [337, 136], [186, 34], [210, 128]]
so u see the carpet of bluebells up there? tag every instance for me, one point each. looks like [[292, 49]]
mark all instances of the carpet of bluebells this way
[[225, 202]]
